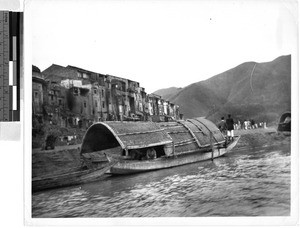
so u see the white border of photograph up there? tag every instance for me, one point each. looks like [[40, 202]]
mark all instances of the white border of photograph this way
[[203, 221]]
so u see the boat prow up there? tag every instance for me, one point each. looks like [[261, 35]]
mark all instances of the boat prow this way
[[233, 143]]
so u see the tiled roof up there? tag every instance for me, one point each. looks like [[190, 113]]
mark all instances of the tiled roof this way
[[56, 71], [80, 69]]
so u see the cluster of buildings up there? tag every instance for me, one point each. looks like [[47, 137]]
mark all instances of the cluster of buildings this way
[[71, 96]]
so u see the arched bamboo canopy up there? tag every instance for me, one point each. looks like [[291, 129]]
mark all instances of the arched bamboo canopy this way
[[185, 136]]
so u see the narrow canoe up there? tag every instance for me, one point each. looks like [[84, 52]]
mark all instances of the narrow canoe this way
[[69, 179]]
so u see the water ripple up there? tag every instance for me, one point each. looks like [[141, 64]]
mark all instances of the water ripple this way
[[252, 183]]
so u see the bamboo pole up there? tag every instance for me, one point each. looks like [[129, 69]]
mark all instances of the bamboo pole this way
[[185, 142], [177, 132], [206, 127], [191, 132], [141, 132], [170, 125], [211, 145]]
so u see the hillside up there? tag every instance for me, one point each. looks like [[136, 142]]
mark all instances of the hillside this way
[[263, 95], [168, 92]]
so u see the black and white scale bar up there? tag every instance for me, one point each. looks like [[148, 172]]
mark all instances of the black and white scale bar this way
[[10, 33], [4, 17], [1, 66], [15, 59]]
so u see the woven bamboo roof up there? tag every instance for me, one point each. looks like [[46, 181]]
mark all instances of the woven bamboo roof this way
[[190, 135], [128, 135]]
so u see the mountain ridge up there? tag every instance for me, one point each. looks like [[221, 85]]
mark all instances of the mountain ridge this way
[[264, 87]]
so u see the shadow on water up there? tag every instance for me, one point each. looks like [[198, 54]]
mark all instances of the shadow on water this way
[[242, 183]]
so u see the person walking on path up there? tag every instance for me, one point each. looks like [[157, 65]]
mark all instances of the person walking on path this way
[[230, 127], [222, 126]]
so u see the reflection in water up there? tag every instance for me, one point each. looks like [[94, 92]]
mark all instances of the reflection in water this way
[[250, 183]]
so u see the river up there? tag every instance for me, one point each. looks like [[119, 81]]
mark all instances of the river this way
[[245, 182]]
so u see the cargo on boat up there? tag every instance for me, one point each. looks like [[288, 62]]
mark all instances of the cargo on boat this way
[[146, 146]]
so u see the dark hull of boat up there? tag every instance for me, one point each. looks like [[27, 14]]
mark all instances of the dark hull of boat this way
[[284, 127], [131, 166]]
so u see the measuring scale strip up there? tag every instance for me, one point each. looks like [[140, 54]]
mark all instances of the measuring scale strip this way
[[9, 66]]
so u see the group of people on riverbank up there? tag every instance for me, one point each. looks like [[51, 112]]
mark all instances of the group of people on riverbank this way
[[249, 124], [228, 126]]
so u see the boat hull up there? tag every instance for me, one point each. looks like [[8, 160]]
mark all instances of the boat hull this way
[[133, 166], [69, 179]]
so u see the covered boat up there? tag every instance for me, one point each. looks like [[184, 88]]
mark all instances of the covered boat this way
[[145, 146], [285, 122]]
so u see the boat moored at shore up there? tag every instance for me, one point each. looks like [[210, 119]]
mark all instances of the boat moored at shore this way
[[145, 146], [121, 148]]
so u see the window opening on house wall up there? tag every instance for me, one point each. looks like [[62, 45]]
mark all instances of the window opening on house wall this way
[[75, 91], [36, 95], [60, 102], [79, 75], [84, 104], [103, 104], [95, 91], [85, 75]]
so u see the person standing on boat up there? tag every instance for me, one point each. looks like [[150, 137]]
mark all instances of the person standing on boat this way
[[230, 127], [222, 126]]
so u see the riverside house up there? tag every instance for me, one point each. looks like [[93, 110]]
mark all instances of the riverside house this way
[[74, 97]]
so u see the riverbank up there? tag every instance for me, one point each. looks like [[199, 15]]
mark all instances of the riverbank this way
[[55, 161], [261, 137], [66, 158]]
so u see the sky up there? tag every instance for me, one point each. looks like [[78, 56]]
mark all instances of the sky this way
[[161, 43]]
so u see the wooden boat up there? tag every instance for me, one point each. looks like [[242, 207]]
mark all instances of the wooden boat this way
[[145, 146], [72, 178], [285, 122]]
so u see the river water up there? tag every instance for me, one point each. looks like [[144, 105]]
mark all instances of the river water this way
[[245, 182]]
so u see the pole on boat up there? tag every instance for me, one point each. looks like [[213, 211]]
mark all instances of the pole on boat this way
[[173, 145], [211, 145]]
